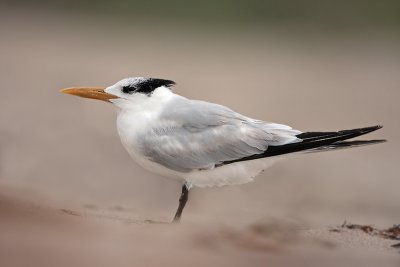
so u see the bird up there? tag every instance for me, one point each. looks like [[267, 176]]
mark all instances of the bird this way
[[203, 144]]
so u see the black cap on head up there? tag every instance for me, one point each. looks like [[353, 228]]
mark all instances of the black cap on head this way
[[146, 85]]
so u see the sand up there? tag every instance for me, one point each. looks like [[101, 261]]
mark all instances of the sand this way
[[36, 234]]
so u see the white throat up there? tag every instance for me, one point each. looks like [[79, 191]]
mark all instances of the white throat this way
[[136, 117]]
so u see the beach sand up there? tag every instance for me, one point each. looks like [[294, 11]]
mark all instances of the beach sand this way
[[36, 234]]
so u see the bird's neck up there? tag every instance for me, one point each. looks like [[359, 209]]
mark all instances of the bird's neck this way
[[137, 117]]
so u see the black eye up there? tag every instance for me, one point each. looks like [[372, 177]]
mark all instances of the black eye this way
[[128, 89]]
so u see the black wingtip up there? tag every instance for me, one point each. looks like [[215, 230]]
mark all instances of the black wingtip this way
[[364, 130], [339, 136], [345, 145], [319, 141], [361, 142], [374, 128], [378, 141]]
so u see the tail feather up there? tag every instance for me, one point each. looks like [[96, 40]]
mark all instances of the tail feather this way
[[312, 140], [340, 135], [345, 145], [318, 141]]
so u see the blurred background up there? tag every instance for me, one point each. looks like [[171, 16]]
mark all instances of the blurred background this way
[[315, 65]]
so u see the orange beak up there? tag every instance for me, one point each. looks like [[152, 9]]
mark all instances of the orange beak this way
[[89, 92]]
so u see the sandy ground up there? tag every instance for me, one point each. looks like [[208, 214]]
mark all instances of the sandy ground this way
[[70, 195], [33, 234]]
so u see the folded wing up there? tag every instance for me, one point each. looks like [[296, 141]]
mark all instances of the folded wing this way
[[195, 135]]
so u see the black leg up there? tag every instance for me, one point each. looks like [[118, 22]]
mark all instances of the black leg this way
[[182, 202]]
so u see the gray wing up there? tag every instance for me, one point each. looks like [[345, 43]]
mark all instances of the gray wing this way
[[193, 135]]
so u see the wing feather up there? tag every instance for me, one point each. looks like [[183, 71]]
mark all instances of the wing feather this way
[[193, 135]]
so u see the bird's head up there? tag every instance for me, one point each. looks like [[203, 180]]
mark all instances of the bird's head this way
[[127, 90]]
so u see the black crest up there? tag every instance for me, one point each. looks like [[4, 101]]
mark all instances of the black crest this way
[[146, 86]]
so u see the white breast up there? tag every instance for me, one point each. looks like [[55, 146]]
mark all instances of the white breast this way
[[137, 117]]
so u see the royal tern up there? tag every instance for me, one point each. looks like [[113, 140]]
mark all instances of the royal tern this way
[[199, 143]]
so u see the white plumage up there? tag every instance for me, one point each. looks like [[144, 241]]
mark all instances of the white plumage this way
[[199, 143], [188, 139]]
